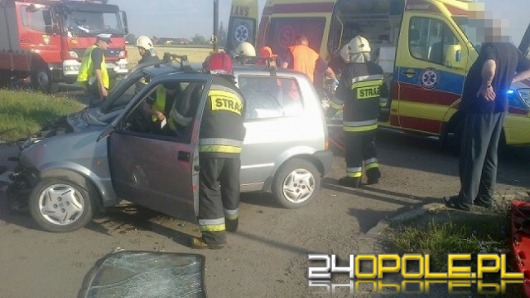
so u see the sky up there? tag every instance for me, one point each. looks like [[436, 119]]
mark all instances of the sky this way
[[185, 18]]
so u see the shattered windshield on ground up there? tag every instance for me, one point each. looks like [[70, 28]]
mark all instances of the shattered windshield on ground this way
[[146, 274]]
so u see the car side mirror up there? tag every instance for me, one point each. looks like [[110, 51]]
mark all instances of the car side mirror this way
[[453, 56]]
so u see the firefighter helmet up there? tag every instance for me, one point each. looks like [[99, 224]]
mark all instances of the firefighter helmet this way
[[219, 63], [144, 42], [357, 45], [245, 49]]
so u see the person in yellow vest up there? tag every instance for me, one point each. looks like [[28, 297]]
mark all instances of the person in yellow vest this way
[[302, 58], [93, 72], [159, 109]]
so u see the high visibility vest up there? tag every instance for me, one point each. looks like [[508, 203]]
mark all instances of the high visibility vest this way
[[87, 68], [304, 60], [160, 105]]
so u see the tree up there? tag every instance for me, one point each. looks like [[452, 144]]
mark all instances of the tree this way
[[199, 40]]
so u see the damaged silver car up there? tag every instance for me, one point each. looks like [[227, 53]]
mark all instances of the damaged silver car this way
[[101, 155]]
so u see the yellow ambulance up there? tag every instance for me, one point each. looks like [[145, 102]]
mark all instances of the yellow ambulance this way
[[425, 47]]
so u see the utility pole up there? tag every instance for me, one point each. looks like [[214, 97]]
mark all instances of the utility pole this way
[[215, 24]]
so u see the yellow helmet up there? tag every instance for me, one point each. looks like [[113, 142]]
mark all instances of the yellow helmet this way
[[144, 42], [357, 45]]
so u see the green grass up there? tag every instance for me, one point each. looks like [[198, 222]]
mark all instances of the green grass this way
[[25, 112], [471, 235]]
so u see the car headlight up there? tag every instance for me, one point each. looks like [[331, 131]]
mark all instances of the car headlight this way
[[524, 94]]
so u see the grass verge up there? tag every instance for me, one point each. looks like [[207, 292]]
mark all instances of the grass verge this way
[[25, 112], [443, 232]]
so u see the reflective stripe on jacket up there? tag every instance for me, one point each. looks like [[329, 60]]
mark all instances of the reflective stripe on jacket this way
[[86, 71], [360, 92], [222, 131]]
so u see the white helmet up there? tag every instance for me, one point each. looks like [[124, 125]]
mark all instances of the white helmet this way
[[144, 42], [357, 45], [245, 49]]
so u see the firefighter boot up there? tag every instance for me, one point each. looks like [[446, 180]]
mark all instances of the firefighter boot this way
[[231, 224], [373, 175], [350, 182]]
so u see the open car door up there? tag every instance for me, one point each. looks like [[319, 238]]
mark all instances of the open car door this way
[[155, 165]]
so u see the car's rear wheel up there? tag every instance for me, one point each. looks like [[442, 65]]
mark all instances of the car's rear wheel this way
[[59, 205], [296, 183]]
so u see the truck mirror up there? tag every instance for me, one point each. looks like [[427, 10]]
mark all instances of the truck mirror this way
[[125, 23], [453, 56]]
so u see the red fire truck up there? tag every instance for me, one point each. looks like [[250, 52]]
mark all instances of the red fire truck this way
[[45, 39]]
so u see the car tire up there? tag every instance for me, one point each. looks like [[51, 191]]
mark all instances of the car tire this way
[[60, 205], [41, 79], [296, 183]]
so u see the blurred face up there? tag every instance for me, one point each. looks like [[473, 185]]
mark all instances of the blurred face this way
[[103, 44]]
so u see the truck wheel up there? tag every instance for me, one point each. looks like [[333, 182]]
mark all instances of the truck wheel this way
[[41, 80], [296, 183], [59, 205]]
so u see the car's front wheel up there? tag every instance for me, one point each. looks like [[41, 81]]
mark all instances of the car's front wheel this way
[[296, 183], [60, 205]]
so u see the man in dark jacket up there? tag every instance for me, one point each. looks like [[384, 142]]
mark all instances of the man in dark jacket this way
[[484, 104]]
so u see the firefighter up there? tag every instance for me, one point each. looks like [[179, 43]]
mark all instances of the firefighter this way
[[359, 94], [93, 72], [146, 50], [245, 53], [220, 141]]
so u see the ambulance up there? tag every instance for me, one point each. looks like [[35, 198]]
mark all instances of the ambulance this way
[[425, 47]]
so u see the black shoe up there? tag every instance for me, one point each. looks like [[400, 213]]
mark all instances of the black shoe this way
[[198, 243], [453, 203], [482, 204], [373, 175], [231, 224], [350, 182]]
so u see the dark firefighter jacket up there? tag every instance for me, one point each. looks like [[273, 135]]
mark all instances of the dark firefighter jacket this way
[[359, 94], [222, 131]]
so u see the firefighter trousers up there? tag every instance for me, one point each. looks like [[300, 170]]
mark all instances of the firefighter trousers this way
[[477, 165], [219, 190], [359, 149]]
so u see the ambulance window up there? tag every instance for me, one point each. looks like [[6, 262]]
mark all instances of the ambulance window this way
[[429, 39], [283, 31]]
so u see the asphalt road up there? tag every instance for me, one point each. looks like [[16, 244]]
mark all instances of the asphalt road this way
[[267, 257]]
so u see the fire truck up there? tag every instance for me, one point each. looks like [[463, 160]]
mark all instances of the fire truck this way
[[44, 40]]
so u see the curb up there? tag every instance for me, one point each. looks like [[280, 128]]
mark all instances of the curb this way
[[385, 223]]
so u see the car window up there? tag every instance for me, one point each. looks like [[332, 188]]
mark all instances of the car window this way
[[269, 97], [167, 110]]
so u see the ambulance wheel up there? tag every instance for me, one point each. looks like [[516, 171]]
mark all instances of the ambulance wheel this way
[[296, 183], [60, 205]]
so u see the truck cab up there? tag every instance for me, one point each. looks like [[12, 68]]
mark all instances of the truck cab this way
[[45, 40]]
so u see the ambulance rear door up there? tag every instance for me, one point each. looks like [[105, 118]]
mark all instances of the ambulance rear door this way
[[430, 69]]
